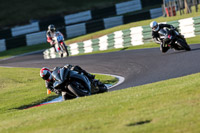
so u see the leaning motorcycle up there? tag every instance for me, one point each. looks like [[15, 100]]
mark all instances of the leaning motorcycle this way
[[73, 84], [60, 45], [173, 39]]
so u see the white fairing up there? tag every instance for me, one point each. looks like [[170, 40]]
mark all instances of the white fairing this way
[[57, 37]]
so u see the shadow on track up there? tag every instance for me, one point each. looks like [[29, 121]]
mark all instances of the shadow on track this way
[[182, 51], [195, 49]]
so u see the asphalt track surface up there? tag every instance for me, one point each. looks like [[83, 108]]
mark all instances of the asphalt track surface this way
[[138, 67]]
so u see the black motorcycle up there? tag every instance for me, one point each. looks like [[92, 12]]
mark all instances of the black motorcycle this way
[[173, 39], [73, 84]]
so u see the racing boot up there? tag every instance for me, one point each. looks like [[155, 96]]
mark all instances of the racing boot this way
[[61, 53], [90, 76]]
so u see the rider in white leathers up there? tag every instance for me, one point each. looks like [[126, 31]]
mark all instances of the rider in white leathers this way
[[51, 33]]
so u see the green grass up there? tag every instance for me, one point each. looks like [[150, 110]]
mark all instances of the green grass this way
[[106, 79], [168, 106], [22, 50], [19, 89], [20, 12]]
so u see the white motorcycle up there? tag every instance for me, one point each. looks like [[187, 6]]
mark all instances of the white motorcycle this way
[[60, 46]]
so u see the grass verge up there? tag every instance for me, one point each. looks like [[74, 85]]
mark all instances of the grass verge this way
[[166, 106], [22, 50], [19, 90]]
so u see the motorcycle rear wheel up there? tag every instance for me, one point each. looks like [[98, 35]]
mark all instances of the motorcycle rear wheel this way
[[102, 87], [183, 44]]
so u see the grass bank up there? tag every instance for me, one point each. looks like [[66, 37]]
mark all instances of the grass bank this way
[[166, 106], [19, 90], [22, 50]]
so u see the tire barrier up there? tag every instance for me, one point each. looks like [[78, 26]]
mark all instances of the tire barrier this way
[[189, 27]]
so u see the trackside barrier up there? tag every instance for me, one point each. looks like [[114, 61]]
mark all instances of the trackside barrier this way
[[2, 45], [19, 30], [78, 17], [129, 6], [88, 16], [197, 25], [189, 27], [113, 21], [186, 27], [33, 34], [36, 38], [157, 12], [76, 30]]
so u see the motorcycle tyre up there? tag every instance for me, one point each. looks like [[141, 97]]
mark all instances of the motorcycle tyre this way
[[77, 92], [102, 88], [65, 49], [183, 44]]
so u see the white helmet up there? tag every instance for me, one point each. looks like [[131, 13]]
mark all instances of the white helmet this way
[[51, 28], [154, 26]]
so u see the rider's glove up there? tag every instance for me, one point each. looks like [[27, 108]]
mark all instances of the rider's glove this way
[[173, 28], [56, 91], [52, 42]]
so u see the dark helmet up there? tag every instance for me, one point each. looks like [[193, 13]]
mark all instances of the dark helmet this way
[[51, 28], [45, 73]]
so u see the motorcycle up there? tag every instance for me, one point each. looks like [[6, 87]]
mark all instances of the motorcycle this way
[[60, 46], [173, 39], [73, 84]]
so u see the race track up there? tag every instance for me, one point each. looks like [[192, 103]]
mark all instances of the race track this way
[[138, 67]]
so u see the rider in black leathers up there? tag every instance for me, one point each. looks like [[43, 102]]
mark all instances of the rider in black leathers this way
[[45, 73], [155, 28]]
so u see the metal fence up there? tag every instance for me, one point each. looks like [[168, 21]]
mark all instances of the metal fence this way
[[183, 6]]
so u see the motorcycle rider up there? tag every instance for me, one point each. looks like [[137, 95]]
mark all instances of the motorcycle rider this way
[[50, 34], [45, 74], [155, 28]]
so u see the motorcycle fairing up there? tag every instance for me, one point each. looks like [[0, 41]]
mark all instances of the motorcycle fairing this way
[[60, 75], [75, 75]]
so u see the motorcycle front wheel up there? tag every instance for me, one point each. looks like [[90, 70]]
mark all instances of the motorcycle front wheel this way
[[78, 89], [65, 49]]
